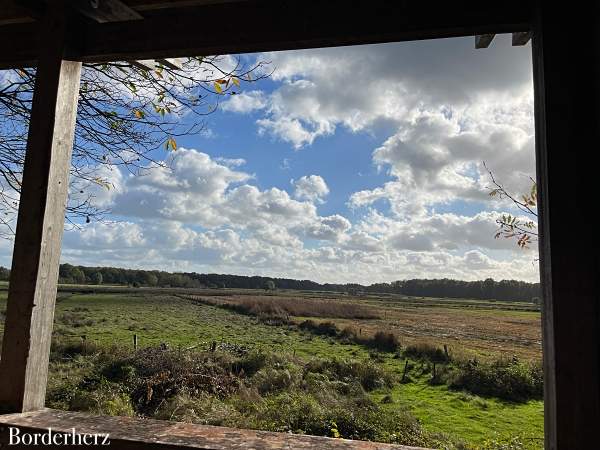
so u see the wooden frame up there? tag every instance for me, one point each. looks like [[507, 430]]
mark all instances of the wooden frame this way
[[34, 275], [567, 94]]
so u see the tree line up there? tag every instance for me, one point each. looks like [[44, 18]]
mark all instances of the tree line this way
[[489, 289]]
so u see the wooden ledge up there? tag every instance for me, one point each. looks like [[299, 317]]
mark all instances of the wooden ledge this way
[[135, 433]]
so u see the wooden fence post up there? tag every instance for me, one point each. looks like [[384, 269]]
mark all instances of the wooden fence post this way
[[34, 274]]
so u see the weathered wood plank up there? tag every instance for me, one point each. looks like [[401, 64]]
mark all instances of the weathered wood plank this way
[[135, 433], [172, 63], [32, 290], [567, 95], [521, 38], [263, 25], [144, 64], [106, 10], [484, 40]]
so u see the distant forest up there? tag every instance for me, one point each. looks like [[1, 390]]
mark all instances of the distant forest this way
[[507, 290]]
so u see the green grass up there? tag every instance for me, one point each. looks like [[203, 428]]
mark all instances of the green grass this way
[[465, 416], [113, 319], [167, 319]]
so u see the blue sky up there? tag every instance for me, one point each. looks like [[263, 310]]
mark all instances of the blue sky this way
[[348, 164]]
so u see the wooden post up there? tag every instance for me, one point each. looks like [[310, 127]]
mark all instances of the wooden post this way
[[34, 275], [135, 342], [404, 372], [567, 112]]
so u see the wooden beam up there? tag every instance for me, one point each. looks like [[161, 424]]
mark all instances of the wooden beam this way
[[32, 289], [103, 11], [12, 12], [264, 25], [144, 64], [275, 25], [150, 5], [134, 433], [567, 116], [171, 63], [483, 40], [521, 38]]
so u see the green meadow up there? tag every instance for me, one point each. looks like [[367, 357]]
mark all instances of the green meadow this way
[[92, 324]]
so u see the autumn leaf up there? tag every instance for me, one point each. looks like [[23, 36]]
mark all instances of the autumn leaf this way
[[138, 113], [235, 81], [105, 184], [171, 144], [218, 88]]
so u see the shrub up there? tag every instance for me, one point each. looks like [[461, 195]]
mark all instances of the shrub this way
[[64, 349], [251, 363], [348, 334], [369, 375], [162, 374], [506, 379], [385, 341], [428, 352], [203, 409], [107, 399], [271, 379], [320, 328]]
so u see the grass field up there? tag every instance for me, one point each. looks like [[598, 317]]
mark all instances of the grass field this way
[[181, 320]]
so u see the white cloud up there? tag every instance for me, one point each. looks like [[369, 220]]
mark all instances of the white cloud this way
[[245, 102], [311, 187], [444, 108]]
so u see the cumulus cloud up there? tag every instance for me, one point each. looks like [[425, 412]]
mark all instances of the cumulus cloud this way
[[435, 109], [245, 102], [311, 187], [452, 108]]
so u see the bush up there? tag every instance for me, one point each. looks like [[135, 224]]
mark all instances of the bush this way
[[251, 363], [369, 375], [385, 341], [428, 352], [348, 334], [162, 374], [322, 328], [276, 379], [506, 379], [203, 409], [108, 399], [258, 390], [62, 349]]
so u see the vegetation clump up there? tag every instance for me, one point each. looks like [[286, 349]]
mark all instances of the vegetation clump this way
[[507, 379], [256, 389], [428, 352]]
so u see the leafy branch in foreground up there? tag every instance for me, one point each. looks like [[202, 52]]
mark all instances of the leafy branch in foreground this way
[[128, 113], [511, 226]]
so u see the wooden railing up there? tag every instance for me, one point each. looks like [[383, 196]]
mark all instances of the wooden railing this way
[[130, 433]]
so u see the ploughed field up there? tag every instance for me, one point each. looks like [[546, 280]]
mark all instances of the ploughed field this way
[[443, 373]]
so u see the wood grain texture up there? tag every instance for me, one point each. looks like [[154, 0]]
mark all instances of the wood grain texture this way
[[148, 434], [103, 11], [263, 25], [521, 38], [484, 40], [34, 275], [567, 94]]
